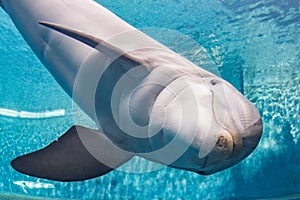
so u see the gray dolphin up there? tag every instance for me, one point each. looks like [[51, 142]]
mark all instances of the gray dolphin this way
[[146, 100]]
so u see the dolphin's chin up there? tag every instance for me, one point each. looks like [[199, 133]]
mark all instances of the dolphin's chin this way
[[243, 145]]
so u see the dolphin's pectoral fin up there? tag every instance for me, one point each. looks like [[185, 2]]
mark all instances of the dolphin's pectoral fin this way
[[97, 43], [79, 154]]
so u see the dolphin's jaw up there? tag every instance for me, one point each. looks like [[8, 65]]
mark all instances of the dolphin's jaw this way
[[243, 147]]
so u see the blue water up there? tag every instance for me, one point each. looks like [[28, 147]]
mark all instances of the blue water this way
[[254, 44]]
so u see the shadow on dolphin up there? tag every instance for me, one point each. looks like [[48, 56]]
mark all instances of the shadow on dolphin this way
[[146, 100]]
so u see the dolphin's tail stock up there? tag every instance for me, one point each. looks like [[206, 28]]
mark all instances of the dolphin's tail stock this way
[[79, 154]]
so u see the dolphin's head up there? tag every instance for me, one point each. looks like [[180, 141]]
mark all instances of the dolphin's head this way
[[215, 126], [241, 127]]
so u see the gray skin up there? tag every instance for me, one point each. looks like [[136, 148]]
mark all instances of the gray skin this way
[[147, 100]]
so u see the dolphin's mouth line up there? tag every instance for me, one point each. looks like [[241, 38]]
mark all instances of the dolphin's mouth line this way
[[213, 110], [237, 144], [236, 138]]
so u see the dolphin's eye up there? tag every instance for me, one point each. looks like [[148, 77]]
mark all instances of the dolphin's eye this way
[[213, 82]]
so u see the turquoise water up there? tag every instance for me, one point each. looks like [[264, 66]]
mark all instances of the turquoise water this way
[[253, 44]]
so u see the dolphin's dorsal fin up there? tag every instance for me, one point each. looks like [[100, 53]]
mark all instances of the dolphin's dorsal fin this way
[[94, 42], [79, 154]]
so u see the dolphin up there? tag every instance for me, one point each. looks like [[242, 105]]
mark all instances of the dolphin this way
[[146, 100]]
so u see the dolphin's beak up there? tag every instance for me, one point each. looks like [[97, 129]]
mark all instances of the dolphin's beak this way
[[245, 144], [241, 148], [251, 137]]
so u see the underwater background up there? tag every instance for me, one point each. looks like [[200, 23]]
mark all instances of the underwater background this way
[[254, 44]]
